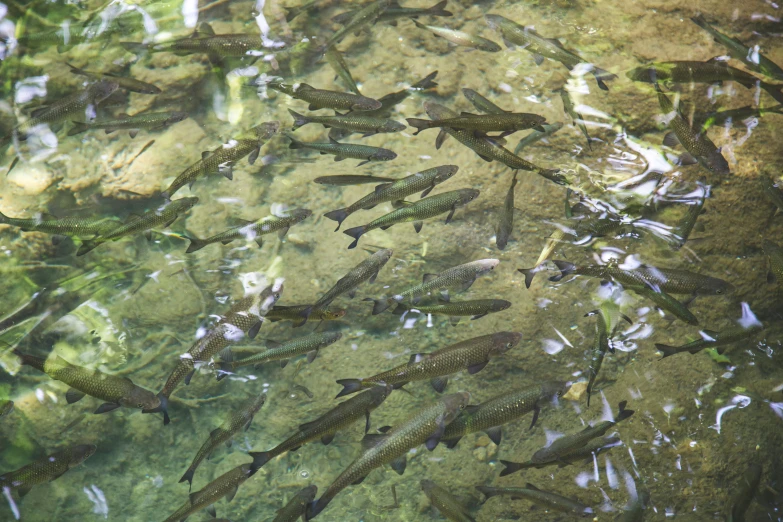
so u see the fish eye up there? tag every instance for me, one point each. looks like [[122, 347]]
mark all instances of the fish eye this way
[[719, 291], [509, 345], [140, 405]]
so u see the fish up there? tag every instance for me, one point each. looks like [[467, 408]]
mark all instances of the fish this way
[[544, 498], [153, 121], [601, 345], [698, 145], [472, 355], [549, 247], [63, 227], [395, 11], [425, 427], [536, 135], [772, 192], [712, 339], [6, 407], [459, 278], [306, 7], [323, 99], [567, 444], [505, 123], [342, 151], [115, 391], [461, 38], [417, 212], [486, 148], [445, 503], [324, 427], [455, 310], [235, 421], [124, 82], [162, 216], [583, 453], [294, 313], [367, 270], [745, 492], [506, 219], [501, 409], [223, 159], [349, 179], [254, 230], [666, 303], [732, 116], [354, 122], [391, 100], [481, 103], [634, 512], [46, 469], [243, 319], [682, 230], [751, 58], [225, 485], [423, 182], [576, 118], [283, 352], [337, 63], [297, 506], [516, 35], [775, 254], [361, 17], [204, 40]]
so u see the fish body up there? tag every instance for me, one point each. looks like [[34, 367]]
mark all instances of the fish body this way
[[455, 309], [576, 118], [294, 313], [354, 122], [361, 17], [391, 100], [324, 427], [348, 179], [223, 159], [682, 231], [234, 422], [225, 485], [323, 99], [472, 355], [775, 254], [490, 415], [565, 458], [481, 103], [772, 192], [733, 116], [712, 339], [116, 391], [395, 11], [297, 506], [254, 229], [417, 212], [342, 151], [426, 426], [461, 38], [536, 135], [516, 35], [666, 303], [445, 503], [46, 469], [337, 63], [506, 218], [145, 120], [6, 407], [69, 226], [204, 40], [744, 494], [543, 498], [129, 84], [423, 182], [597, 353], [506, 123]]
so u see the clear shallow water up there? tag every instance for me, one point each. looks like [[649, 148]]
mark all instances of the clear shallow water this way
[[699, 423]]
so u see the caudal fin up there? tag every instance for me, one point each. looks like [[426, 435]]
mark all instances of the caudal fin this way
[[295, 144], [667, 350], [439, 9], [355, 233], [304, 315], [4, 218], [338, 215], [87, 246], [426, 82], [602, 76], [78, 128], [379, 305], [349, 386], [162, 408], [565, 268], [773, 90], [487, 491], [189, 477], [299, 120], [30, 360], [624, 413], [530, 273], [418, 124], [259, 459], [195, 244], [511, 467]]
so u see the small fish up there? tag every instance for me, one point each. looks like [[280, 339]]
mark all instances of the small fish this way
[[297, 506], [129, 84], [6, 407], [354, 122], [391, 447], [46, 469], [342, 151], [307, 7], [115, 391], [666, 303], [461, 38], [535, 136], [204, 40], [423, 182], [337, 63], [576, 118], [361, 17], [712, 339], [235, 421], [601, 345], [254, 230], [745, 492], [506, 219], [223, 159], [445, 503], [682, 230], [323, 99], [152, 121], [163, 217], [772, 192], [733, 116], [544, 498], [481, 103], [551, 244], [283, 352], [532, 42], [472, 355], [775, 273], [69, 226], [294, 313], [505, 123], [587, 451], [509, 406], [417, 212], [348, 179], [455, 310], [396, 11], [391, 100], [225, 485], [324, 427]]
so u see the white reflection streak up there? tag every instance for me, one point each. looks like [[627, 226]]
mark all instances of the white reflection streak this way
[[630, 485], [563, 337], [190, 12], [607, 414], [777, 407], [7, 493], [611, 474], [738, 401], [596, 474], [97, 497]]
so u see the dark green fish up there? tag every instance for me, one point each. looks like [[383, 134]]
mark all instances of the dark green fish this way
[[116, 391], [254, 230], [162, 217], [595, 446], [225, 485], [532, 42], [733, 116], [223, 159], [235, 421], [744, 493], [601, 345], [682, 230], [752, 58], [46, 469], [84, 228], [342, 151], [569, 443], [772, 192], [506, 219], [354, 122], [365, 16], [324, 427], [294, 313], [294, 11], [129, 84], [348, 179], [775, 254], [472, 355], [391, 100], [396, 11], [666, 303], [297, 506], [509, 406], [533, 137], [423, 182], [455, 310], [576, 118], [277, 351], [337, 63], [712, 339], [445, 503], [462, 38], [417, 212], [323, 99], [481, 103], [505, 123], [426, 426], [6, 407], [152, 121], [543, 498], [458, 278], [204, 40]]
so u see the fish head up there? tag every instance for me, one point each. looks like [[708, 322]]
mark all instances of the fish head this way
[[468, 195], [437, 111], [454, 404], [383, 155], [716, 287], [717, 164], [300, 214], [427, 486], [379, 393], [554, 389], [184, 204], [445, 172], [330, 315], [504, 341], [384, 255], [393, 126], [494, 21], [6, 408], [176, 116], [486, 265], [102, 90], [499, 305], [80, 453], [307, 494], [333, 338], [267, 129], [141, 399]]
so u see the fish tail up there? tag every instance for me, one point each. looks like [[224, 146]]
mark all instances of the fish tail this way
[[87, 246], [188, 476], [773, 90], [530, 273], [379, 305], [426, 82], [162, 408], [565, 268], [355, 233], [259, 459], [338, 215], [315, 507], [699, 20], [349, 386], [305, 315], [166, 194], [624, 413], [553, 176], [30, 360], [487, 491], [666, 350], [75, 70], [602, 76], [78, 128], [510, 467], [299, 120], [295, 144], [195, 244], [4, 219], [223, 368], [134, 47], [399, 309], [418, 124], [439, 9]]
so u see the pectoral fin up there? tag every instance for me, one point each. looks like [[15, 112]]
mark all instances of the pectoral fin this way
[[106, 407], [494, 434], [475, 368], [439, 383], [73, 395], [399, 464]]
